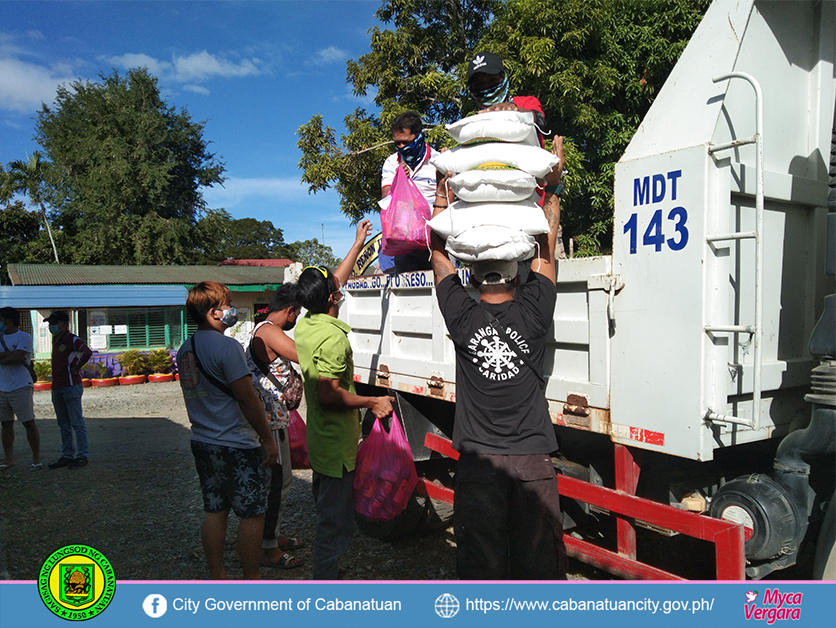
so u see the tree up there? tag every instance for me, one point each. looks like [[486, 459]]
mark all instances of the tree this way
[[223, 238], [126, 171], [28, 177], [312, 253], [595, 65], [22, 239]]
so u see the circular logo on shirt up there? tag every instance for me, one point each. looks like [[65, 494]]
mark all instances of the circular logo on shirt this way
[[76, 582], [495, 360]]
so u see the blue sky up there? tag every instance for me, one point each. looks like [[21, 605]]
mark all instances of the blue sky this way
[[254, 71]]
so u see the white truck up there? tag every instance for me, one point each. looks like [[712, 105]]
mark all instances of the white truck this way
[[678, 365]]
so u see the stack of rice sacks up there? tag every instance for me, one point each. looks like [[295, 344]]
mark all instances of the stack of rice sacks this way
[[496, 169]]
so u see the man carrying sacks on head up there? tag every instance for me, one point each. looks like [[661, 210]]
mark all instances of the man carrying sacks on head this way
[[506, 512]]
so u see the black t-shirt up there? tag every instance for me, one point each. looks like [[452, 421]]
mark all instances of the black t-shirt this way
[[500, 407]]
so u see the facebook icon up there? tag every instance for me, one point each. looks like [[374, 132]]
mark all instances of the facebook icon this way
[[155, 605]]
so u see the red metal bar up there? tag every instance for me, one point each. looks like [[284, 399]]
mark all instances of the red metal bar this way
[[727, 537], [441, 445], [435, 491], [627, 472], [613, 563]]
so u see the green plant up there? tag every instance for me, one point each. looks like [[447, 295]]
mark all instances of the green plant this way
[[159, 360], [88, 371], [101, 367], [133, 362], [43, 370]]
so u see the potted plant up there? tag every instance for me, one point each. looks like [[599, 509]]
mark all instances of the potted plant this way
[[160, 363], [43, 371], [88, 372], [103, 379], [133, 365]]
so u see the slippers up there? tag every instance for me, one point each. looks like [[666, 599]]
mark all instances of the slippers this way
[[5, 466], [291, 543], [285, 561], [36, 466]]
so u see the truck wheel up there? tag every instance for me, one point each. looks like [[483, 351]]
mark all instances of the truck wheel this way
[[824, 567]]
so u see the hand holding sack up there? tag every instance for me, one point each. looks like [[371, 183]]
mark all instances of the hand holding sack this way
[[385, 475], [403, 218]]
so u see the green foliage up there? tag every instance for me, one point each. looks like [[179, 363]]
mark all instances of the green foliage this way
[[43, 370], [133, 362], [22, 241], [222, 237], [159, 361], [88, 371], [103, 369], [126, 171], [595, 65], [28, 177], [312, 253]]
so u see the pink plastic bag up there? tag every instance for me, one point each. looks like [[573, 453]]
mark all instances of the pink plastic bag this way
[[404, 219], [298, 435], [385, 474]]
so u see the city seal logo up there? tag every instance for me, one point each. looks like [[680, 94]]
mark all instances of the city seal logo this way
[[76, 582]]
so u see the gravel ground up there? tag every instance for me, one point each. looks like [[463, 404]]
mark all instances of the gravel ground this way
[[139, 501]]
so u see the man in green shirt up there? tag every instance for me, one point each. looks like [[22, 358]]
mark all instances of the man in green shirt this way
[[333, 422]]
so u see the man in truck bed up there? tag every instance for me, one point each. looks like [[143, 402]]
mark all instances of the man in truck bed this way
[[506, 511]]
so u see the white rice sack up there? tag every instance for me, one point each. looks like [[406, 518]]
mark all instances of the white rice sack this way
[[497, 126], [504, 186], [526, 216], [496, 156], [491, 243]]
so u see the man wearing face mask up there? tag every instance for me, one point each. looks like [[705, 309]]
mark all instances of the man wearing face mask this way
[[227, 420], [69, 354], [270, 354], [333, 425], [412, 154]]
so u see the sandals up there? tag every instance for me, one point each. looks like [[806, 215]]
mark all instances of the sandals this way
[[36, 466], [291, 543], [5, 466], [285, 561]]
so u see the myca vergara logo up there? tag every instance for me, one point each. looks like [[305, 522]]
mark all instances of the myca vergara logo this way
[[776, 606], [76, 582]]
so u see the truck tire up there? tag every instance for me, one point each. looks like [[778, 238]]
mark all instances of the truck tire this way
[[824, 567]]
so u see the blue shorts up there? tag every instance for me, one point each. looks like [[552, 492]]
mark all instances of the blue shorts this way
[[232, 478]]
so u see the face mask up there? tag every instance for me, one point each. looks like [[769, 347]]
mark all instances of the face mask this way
[[54, 329], [230, 317], [492, 95], [413, 152], [289, 325]]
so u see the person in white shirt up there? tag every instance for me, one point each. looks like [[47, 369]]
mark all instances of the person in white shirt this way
[[16, 389], [413, 154]]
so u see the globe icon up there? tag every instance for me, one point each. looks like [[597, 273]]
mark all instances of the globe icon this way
[[446, 606]]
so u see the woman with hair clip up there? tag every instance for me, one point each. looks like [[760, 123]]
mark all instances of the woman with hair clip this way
[[333, 421]]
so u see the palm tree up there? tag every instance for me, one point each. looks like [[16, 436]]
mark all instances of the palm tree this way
[[28, 177]]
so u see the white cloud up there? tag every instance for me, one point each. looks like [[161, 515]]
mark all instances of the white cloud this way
[[139, 60], [197, 89], [237, 190], [191, 69], [24, 86], [328, 55]]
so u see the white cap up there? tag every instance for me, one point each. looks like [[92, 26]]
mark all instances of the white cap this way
[[494, 272]]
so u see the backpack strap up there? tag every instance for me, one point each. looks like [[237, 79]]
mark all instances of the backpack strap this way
[[212, 380]]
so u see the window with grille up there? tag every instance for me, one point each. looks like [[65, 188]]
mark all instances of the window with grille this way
[[148, 328]]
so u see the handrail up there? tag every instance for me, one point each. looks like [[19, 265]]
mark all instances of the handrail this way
[[757, 386]]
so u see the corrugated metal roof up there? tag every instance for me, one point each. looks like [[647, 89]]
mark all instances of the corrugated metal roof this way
[[70, 275], [281, 262], [75, 297]]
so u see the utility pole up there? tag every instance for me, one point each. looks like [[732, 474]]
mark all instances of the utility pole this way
[[323, 233]]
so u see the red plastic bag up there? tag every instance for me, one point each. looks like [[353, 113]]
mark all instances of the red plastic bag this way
[[385, 475], [298, 436], [404, 220]]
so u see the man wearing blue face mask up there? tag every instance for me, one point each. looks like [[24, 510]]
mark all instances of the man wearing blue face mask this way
[[227, 420], [69, 354], [412, 153]]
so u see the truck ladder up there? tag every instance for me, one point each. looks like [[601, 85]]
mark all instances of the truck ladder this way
[[757, 329]]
